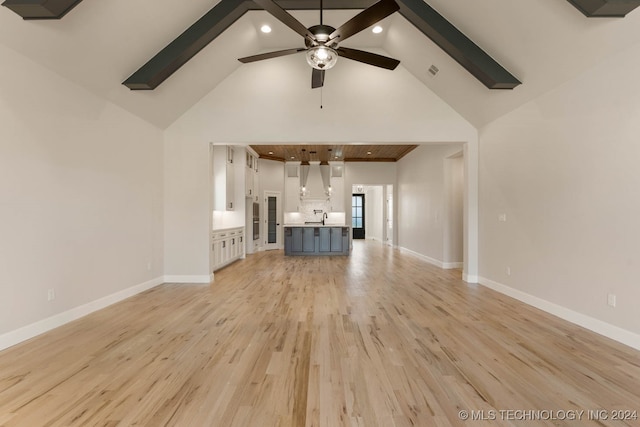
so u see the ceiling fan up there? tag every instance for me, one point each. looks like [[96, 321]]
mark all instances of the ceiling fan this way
[[321, 41]]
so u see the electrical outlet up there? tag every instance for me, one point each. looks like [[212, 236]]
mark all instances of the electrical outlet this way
[[51, 294], [502, 217], [149, 266], [508, 271], [611, 300]]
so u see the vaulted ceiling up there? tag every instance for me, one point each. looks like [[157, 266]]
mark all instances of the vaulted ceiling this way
[[100, 45]]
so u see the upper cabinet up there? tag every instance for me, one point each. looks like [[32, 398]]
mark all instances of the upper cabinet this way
[[251, 176], [292, 187], [224, 178], [337, 187]]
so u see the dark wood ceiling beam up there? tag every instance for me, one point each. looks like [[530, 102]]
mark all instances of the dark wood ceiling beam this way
[[206, 29], [605, 8], [41, 9], [188, 44], [457, 45], [225, 13]]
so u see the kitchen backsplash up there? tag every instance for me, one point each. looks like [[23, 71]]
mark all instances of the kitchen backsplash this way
[[307, 214]]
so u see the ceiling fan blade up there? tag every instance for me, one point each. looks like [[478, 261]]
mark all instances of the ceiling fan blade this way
[[364, 19], [317, 78], [368, 58], [286, 18], [270, 55]]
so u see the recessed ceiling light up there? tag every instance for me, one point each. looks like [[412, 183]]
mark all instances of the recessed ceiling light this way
[[369, 152], [377, 29], [293, 157], [270, 152], [265, 29]]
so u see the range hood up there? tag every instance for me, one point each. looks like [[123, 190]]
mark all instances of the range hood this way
[[315, 180]]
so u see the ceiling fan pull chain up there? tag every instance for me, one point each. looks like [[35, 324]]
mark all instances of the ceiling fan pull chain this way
[[321, 97]]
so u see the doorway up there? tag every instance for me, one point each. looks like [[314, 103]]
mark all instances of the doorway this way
[[272, 213], [388, 235], [453, 227], [358, 216]]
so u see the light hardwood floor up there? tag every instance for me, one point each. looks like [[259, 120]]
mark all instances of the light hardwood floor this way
[[374, 339]]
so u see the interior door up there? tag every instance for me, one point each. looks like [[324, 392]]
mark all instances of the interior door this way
[[272, 212], [357, 216]]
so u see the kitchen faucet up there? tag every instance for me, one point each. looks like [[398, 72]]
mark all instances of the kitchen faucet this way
[[324, 215]]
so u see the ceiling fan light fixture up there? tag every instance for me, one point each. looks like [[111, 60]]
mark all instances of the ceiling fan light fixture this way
[[322, 57]]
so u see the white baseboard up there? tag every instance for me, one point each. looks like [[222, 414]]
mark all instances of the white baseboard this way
[[469, 278], [598, 326], [436, 262], [188, 278], [428, 259], [451, 265], [27, 332]]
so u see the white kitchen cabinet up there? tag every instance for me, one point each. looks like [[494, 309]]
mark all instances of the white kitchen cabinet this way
[[292, 187], [337, 187], [256, 182], [249, 183], [224, 178], [227, 246], [251, 176]]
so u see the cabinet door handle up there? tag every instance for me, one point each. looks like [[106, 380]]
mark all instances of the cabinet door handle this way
[[224, 244]]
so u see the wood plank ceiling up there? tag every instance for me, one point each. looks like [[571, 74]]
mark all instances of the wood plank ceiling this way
[[324, 153]]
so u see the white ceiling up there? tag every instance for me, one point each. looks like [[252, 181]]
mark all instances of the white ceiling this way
[[100, 43]]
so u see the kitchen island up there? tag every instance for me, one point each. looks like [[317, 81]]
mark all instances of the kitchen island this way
[[316, 239]]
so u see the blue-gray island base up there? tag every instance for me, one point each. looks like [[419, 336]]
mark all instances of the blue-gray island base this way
[[316, 240]]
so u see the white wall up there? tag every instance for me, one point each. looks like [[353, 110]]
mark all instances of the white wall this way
[[81, 200], [422, 201], [374, 212], [366, 174], [244, 110], [187, 209], [453, 247], [564, 170]]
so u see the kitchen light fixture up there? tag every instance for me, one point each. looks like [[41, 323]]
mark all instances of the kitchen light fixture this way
[[377, 29], [265, 29], [322, 57]]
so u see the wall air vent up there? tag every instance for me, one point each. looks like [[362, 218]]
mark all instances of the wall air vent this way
[[433, 70]]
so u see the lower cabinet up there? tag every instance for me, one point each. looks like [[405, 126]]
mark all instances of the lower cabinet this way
[[331, 239], [227, 246], [324, 240]]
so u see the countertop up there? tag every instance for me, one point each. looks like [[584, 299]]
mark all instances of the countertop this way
[[315, 225]]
